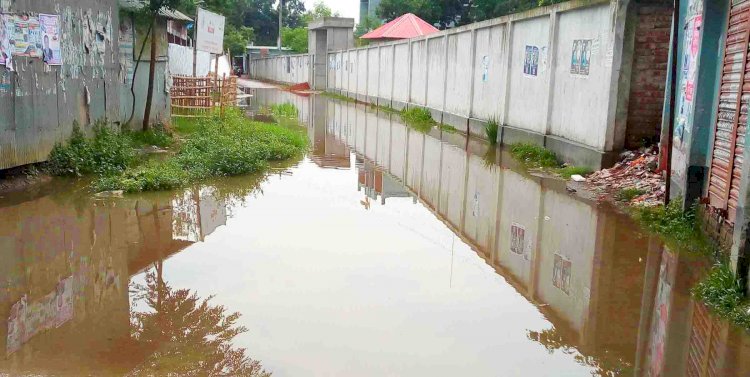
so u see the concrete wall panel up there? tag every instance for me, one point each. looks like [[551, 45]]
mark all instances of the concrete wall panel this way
[[431, 173], [384, 141], [436, 72], [385, 72], [453, 184], [459, 74], [580, 104], [399, 145], [362, 60], [482, 188], [418, 72], [401, 73], [373, 72], [414, 160], [528, 111], [488, 75]]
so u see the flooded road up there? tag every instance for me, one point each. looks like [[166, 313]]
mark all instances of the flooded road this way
[[384, 251]]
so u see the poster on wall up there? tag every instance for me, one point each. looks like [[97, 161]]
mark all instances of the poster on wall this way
[[210, 32], [517, 238], [27, 37], [51, 51], [531, 61], [561, 273], [580, 62], [7, 28]]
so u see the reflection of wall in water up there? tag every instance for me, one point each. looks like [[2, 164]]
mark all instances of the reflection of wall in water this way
[[376, 182]]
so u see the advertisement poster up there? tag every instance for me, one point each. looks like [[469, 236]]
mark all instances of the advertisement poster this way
[[531, 61], [27, 37], [580, 62], [210, 32], [51, 51]]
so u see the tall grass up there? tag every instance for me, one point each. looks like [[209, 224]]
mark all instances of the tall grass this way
[[677, 227], [724, 295], [418, 118], [534, 156], [107, 152], [287, 110], [491, 130]]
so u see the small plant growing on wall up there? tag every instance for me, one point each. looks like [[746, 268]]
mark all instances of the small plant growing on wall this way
[[491, 129]]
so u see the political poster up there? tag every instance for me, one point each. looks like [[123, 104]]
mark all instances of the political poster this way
[[210, 32], [51, 51], [580, 62], [531, 61]]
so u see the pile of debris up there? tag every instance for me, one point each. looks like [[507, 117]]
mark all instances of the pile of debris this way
[[634, 180]]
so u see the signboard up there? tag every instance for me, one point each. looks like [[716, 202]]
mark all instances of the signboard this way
[[210, 32]]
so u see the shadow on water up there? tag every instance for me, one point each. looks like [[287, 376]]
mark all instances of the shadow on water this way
[[83, 288]]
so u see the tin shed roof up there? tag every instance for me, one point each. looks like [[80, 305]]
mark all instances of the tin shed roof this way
[[404, 27]]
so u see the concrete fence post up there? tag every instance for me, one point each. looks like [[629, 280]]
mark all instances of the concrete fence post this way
[[445, 76], [427, 69], [470, 111], [505, 67], [393, 71], [377, 90], [409, 61], [552, 63]]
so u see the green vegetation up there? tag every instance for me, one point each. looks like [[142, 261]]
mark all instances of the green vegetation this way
[[491, 130], [295, 38], [419, 118], [106, 152], [448, 128], [679, 229], [534, 156], [287, 110], [214, 146], [724, 295], [628, 194], [338, 97], [230, 146], [568, 171]]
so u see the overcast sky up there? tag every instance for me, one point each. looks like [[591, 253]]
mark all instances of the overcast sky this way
[[347, 8]]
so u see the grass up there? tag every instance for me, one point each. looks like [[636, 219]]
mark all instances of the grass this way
[[628, 194], [286, 110], [679, 229], [213, 146], [157, 136], [448, 128], [217, 147], [568, 171], [418, 118], [338, 97], [491, 130], [722, 292], [534, 156]]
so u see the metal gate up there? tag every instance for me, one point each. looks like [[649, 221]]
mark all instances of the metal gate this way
[[734, 98], [705, 347]]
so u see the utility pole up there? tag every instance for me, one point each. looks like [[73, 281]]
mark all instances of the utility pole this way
[[281, 9]]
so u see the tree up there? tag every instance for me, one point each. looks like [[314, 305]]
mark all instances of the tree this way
[[485, 9], [296, 39], [320, 10], [236, 38], [367, 25], [187, 336], [440, 13]]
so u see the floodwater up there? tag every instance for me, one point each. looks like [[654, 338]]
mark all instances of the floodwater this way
[[383, 252]]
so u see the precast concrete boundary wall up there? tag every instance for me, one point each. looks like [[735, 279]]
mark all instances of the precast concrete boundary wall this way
[[550, 76], [286, 69]]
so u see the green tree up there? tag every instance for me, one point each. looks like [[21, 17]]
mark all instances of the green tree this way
[[296, 39], [485, 9], [320, 10], [441, 13], [367, 25], [236, 38]]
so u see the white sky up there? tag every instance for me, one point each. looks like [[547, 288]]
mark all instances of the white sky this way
[[347, 8]]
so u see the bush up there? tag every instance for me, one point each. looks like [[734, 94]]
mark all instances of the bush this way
[[678, 228], [157, 136], [107, 152], [286, 110], [154, 176]]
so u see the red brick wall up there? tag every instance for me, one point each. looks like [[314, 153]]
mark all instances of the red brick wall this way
[[649, 73]]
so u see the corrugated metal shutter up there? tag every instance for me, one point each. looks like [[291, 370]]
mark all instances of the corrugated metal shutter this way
[[704, 350], [734, 98]]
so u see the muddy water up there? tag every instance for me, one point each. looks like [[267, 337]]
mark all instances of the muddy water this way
[[384, 251]]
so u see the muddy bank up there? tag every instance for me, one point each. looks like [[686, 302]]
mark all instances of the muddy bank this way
[[22, 178]]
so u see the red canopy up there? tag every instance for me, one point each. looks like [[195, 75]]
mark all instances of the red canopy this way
[[404, 27]]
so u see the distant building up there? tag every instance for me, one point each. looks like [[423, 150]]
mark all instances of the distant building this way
[[368, 8], [405, 27]]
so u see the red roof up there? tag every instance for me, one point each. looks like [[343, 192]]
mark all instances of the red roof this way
[[404, 27]]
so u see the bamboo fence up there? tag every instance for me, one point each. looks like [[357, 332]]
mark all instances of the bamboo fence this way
[[195, 97]]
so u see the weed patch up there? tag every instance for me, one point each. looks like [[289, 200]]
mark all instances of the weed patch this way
[[628, 194], [569, 171], [534, 156], [418, 118], [287, 110], [723, 294], [448, 128], [491, 130], [157, 136], [678, 228], [338, 97], [107, 152]]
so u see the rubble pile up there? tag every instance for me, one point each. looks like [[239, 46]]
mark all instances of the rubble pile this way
[[637, 172]]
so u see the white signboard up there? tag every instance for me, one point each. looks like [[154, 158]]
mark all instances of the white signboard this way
[[210, 32]]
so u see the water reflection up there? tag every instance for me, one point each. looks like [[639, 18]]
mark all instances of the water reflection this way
[[616, 298], [386, 252]]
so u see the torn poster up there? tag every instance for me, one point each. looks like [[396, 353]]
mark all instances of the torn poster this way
[[27, 37], [7, 29], [51, 51]]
